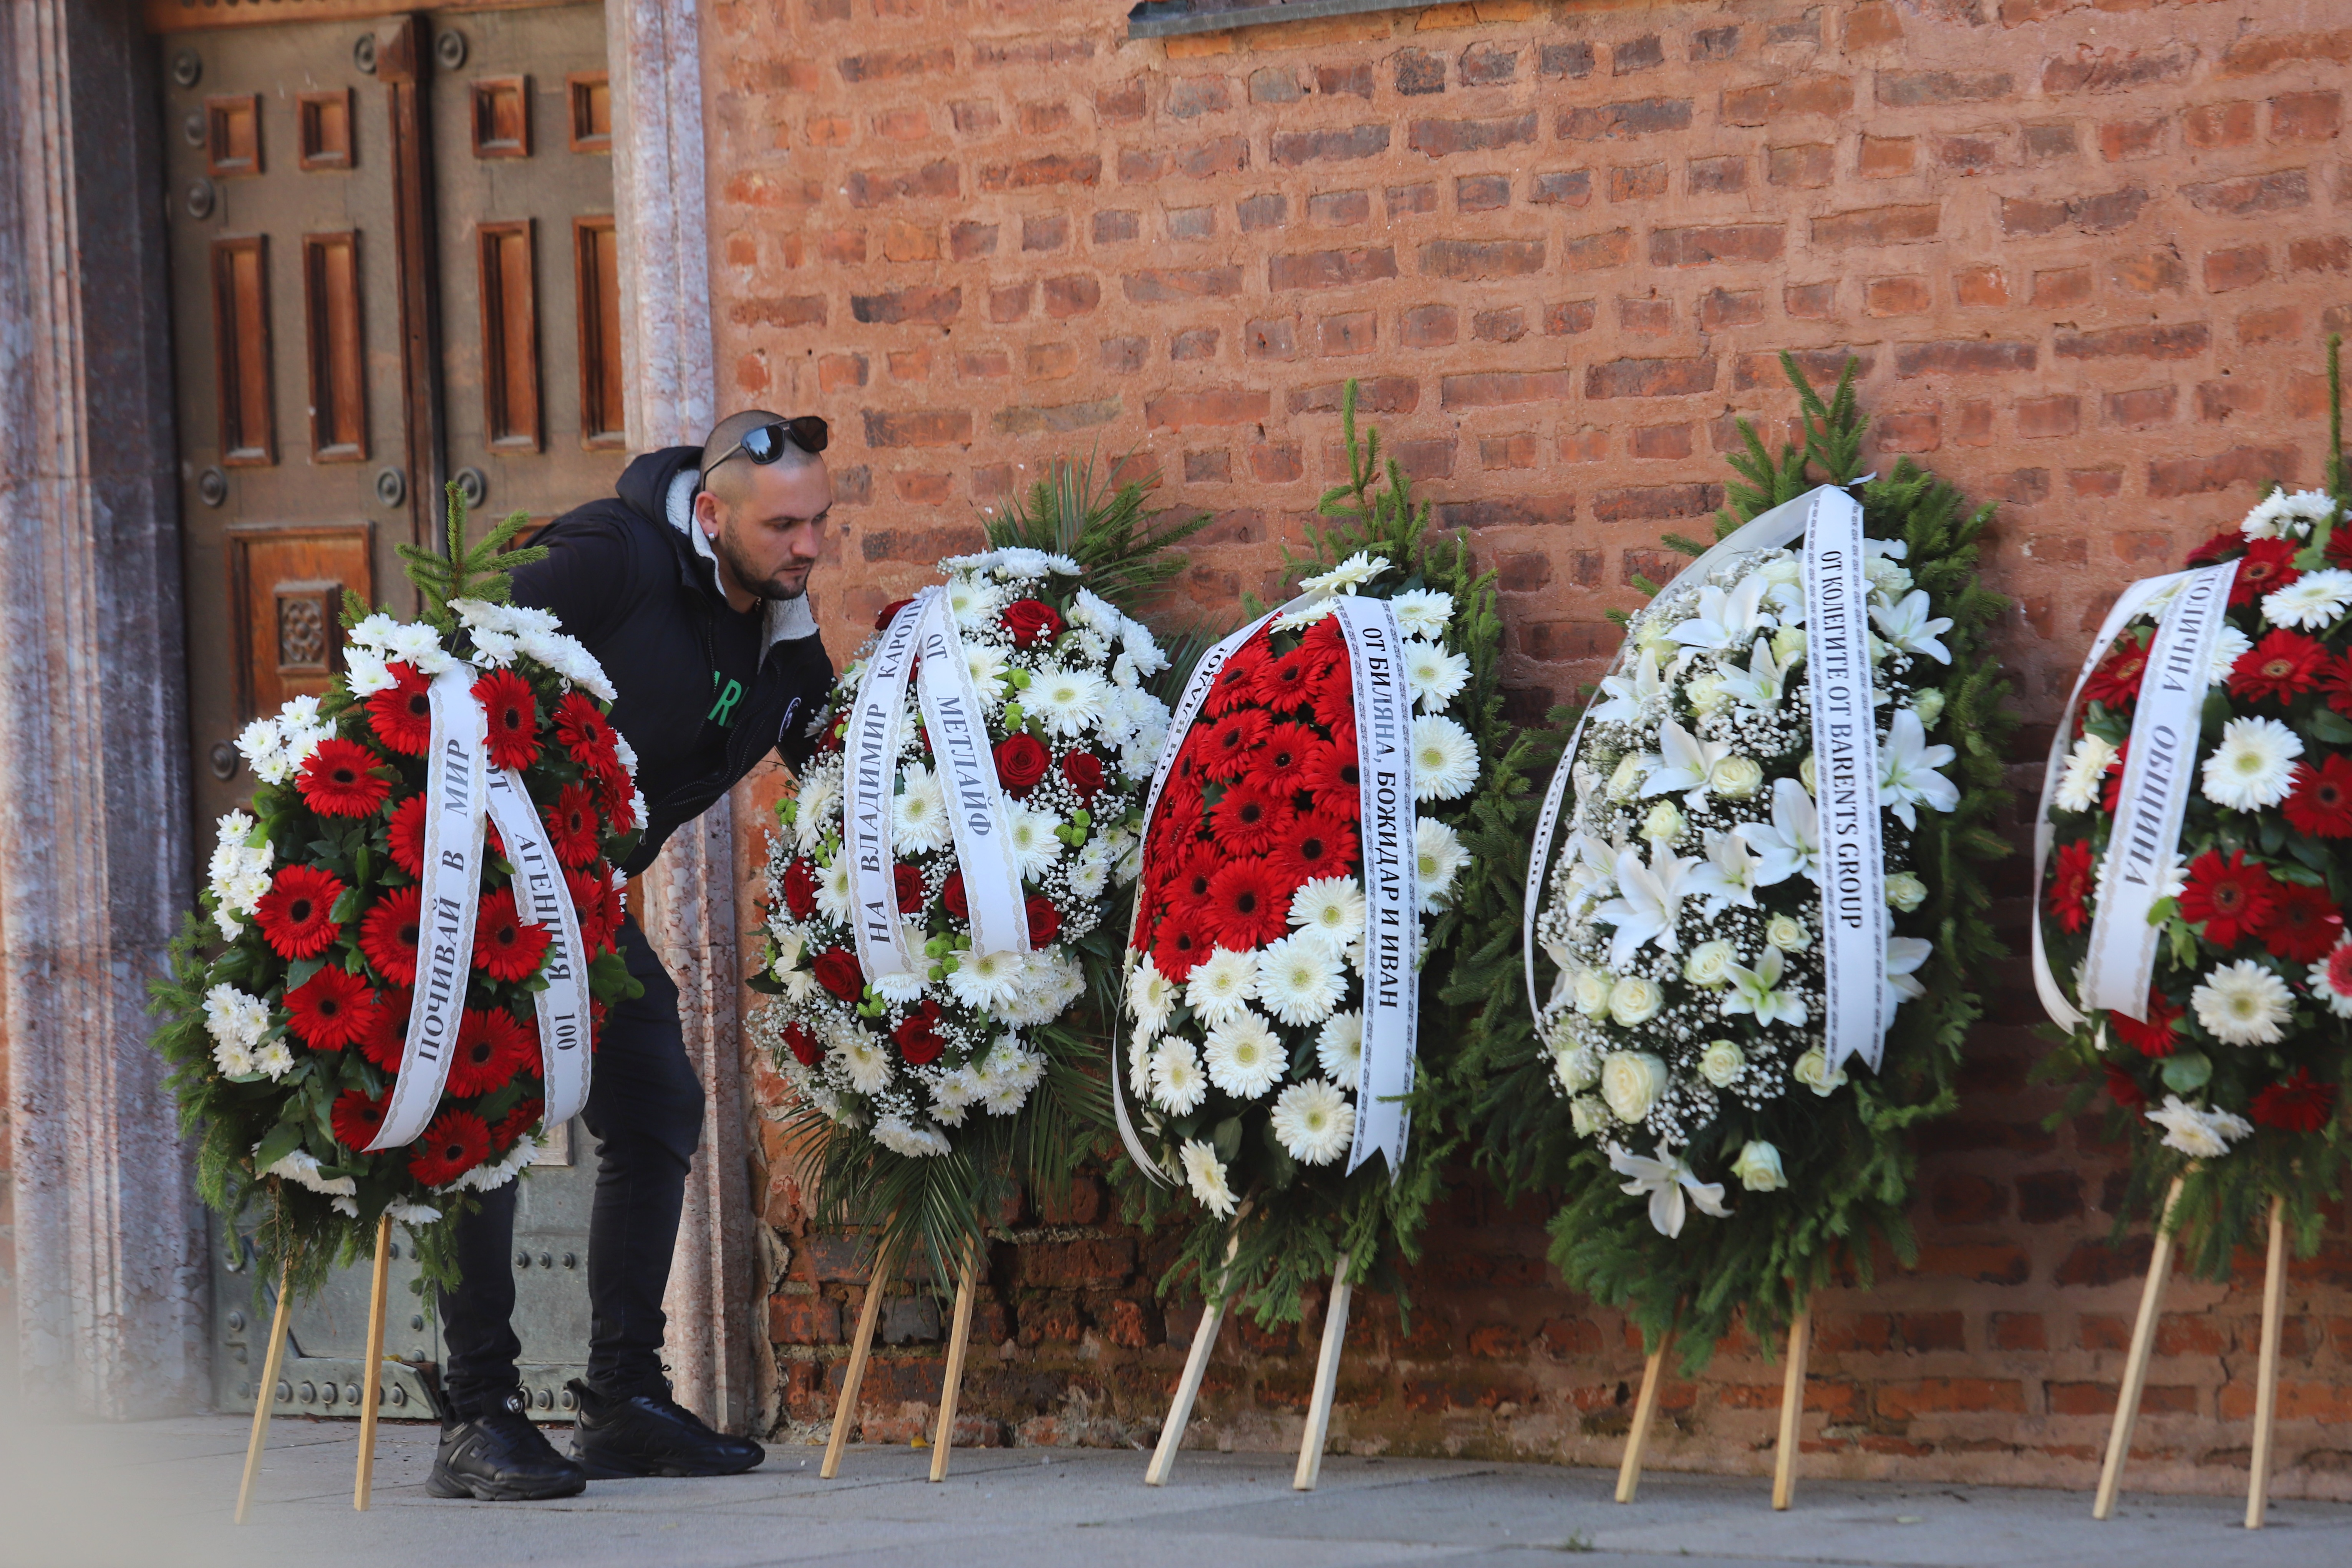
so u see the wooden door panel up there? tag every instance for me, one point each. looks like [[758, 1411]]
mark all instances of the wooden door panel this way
[[248, 435], [330, 288], [286, 585]]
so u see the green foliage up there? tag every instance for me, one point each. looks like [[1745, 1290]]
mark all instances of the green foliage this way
[[1129, 553], [475, 571], [1851, 1162]]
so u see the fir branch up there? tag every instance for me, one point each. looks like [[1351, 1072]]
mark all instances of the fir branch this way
[[476, 572]]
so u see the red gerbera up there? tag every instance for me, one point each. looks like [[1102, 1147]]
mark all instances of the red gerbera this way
[[1289, 752], [2335, 680], [908, 883], [356, 1117], [951, 897], [1249, 818], [2267, 566], [801, 1043], [1284, 682], [838, 971], [571, 824], [918, 1035], [2304, 924], [2340, 547], [391, 931], [2124, 1089], [388, 1034], [1225, 753], [332, 1009], [1330, 775], [586, 734], [1180, 941], [2229, 896], [1246, 906], [1044, 919], [1233, 687], [2320, 801], [456, 1143], [2155, 1037], [492, 1047], [517, 1122], [2278, 668], [1318, 844], [2217, 549], [293, 915], [339, 779], [2116, 679], [403, 713], [2070, 885], [597, 903], [513, 714], [504, 947], [2113, 789], [799, 886], [2296, 1103], [620, 807], [406, 836], [1188, 884]]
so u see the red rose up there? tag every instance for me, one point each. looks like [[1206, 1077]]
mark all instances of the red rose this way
[[890, 611], [800, 888], [836, 970], [802, 1044], [919, 1036], [1031, 622], [1020, 762], [908, 883], [951, 897], [1084, 772], [1044, 919]]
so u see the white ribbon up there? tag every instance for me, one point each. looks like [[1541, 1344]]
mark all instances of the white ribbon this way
[[868, 775], [1385, 820], [543, 899]]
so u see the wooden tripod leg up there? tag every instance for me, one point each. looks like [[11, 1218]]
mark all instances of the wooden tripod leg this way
[[860, 1348], [371, 1369], [1645, 1410], [1792, 1410], [264, 1393], [2258, 1485], [1327, 1380], [1188, 1388], [958, 1341], [2151, 1297]]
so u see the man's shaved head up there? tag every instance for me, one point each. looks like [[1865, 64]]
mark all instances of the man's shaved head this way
[[732, 481], [763, 521]]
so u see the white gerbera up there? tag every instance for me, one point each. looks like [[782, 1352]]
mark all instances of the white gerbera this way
[[833, 893], [1178, 1084], [1220, 984], [1067, 702], [987, 981], [1444, 759], [1313, 1121], [1432, 674], [2196, 1132], [862, 1058], [1150, 997], [2229, 647], [1348, 576], [1205, 1174], [1423, 612], [2243, 1004], [2312, 601], [987, 664], [1339, 1048], [2253, 767], [918, 814], [1244, 1056], [1438, 857], [1033, 844], [1330, 907], [974, 601], [2078, 788], [1299, 978]]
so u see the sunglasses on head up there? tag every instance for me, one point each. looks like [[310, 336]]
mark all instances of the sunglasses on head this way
[[764, 444]]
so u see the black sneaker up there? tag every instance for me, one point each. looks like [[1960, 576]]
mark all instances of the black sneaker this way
[[501, 1457], [651, 1434]]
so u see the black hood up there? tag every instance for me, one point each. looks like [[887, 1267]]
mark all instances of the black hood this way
[[645, 482]]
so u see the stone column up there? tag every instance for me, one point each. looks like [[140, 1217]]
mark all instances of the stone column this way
[[109, 1239], [654, 49]]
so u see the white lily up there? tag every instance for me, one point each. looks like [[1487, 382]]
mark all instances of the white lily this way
[[1790, 844], [1756, 991], [1649, 903], [1909, 626], [1906, 770], [1665, 1178], [1727, 877], [1690, 765], [1726, 620], [1905, 955], [1627, 697], [1759, 686]]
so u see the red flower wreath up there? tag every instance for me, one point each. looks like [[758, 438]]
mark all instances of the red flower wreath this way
[[339, 779], [2321, 803], [356, 1116], [492, 1047], [389, 934], [2070, 886], [2153, 1037], [504, 947], [513, 713], [456, 1143], [295, 915], [2304, 926], [405, 837], [332, 1009], [2280, 668], [403, 713], [2227, 897]]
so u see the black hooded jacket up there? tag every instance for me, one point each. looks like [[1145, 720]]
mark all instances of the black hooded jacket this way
[[634, 579]]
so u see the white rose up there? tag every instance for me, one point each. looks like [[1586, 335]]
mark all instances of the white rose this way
[[1812, 1070], [1929, 706], [1587, 1115], [1592, 991], [1634, 1001], [1788, 934], [1575, 1070], [1906, 891], [1807, 775], [1737, 778], [1706, 693], [1664, 823], [1722, 1063], [1788, 643], [1626, 782], [1632, 1081], [1707, 963], [1759, 1168]]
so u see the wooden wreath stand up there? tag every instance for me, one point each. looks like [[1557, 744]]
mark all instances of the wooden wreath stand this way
[[2143, 1340], [370, 1383], [861, 1351], [1792, 1410]]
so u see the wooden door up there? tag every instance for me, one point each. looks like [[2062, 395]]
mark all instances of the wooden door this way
[[338, 190]]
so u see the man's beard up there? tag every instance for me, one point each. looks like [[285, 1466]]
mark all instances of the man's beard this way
[[722, 545]]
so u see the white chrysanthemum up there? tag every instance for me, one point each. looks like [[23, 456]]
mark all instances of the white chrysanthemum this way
[[1007, 1074], [2078, 788], [1205, 1174], [2253, 767], [1178, 1084], [918, 814], [1150, 999], [1033, 844], [1438, 857], [1050, 980], [1423, 612], [418, 646], [986, 982], [1245, 1056], [2230, 646], [2243, 1004], [237, 1023], [2285, 515], [862, 1060], [262, 746], [897, 1133], [1444, 759], [818, 809], [1339, 1048], [1313, 1121], [2196, 1132], [276, 1059], [301, 1167], [366, 671], [1330, 907], [987, 664], [833, 892], [1300, 979], [905, 986], [1433, 674], [2312, 601], [373, 632], [1067, 702], [1220, 984], [975, 602], [1348, 576]]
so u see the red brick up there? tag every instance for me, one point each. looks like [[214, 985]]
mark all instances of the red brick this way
[[2062, 286], [1568, 317], [1276, 465], [1618, 121], [794, 310], [1330, 268], [1469, 259], [2169, 478], [2259, 55], [1292, 148], [1885, 157], [894, 65], [1650, 377], [1919, 430], [1656, 503], [1906, 89], [803, 1321], [1878, 225], [2186, 341], [1595, 252], [2307, 116], [1806, 166], [2121, 140], [1637, 182], [2227, 270], [2331, 253], [1339, 209], [2142, 409], [1646, 317], [1978, 288], [1941, 1395], [1810, 302], [1355, 333], [872, 188], [1230, 406], [931, 427], [1499, 326], [1964, 356], [1443, 138], [2252, 195], [2157, 271], [1823, 95], [2018, 1331], [1375, 394], [2112, 70], [1174, 286], [1513, 512], [1870, 23], [1896, 297], [1720, 308], [1042, 172], [2218, 124], [1725, 244], [2042, 418]]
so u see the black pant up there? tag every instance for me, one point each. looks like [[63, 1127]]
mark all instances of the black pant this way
[[645, 1106]]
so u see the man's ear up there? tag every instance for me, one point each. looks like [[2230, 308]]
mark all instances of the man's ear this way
[[706, 512]]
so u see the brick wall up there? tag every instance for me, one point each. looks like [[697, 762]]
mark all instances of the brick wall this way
[[2086, 255]]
